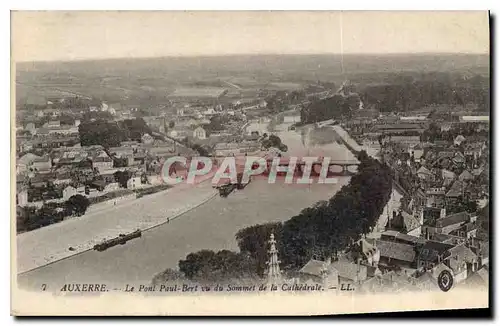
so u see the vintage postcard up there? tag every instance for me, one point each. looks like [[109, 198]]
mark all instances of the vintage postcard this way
[[249, 163]]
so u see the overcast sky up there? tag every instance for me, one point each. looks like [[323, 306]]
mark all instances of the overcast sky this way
[[38, 36]]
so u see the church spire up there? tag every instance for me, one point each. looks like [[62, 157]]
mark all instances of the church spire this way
[[273, 272]]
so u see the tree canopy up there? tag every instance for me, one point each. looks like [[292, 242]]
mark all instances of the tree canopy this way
[[273, 141], [333, 107], [325, 228], [210, 266], [111, 134], [122, 177], [77, 205]]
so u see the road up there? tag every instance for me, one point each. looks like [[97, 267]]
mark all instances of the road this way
[[212, 225]]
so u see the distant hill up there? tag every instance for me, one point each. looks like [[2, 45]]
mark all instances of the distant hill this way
[[321, 63], [118, 79]]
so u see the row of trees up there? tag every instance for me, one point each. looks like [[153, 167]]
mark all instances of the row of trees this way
[[403, 92], [321, 230], [281, 100], [331, 226], [334, 107], [414, 92], [273, 141], [111, 134], [68, 103], [433, 132]]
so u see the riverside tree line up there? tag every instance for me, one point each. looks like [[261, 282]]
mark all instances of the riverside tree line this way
[[318, 231]]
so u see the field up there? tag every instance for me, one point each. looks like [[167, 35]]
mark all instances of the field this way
[[151, 80]]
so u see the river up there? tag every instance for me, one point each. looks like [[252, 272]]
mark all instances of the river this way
[[212, 225]]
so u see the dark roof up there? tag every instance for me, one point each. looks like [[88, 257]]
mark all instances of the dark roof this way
[[410, 238], [42, 131], [470, 226], [426, 278], [41, 159], [396, 250], [456, 189], [430, 212], [99, 183], [63, 175], [411, 126], [398, 281], [484, 274], [349, 270], [466, 175], [459, 157], [410, 222], [481, 277], [424, 170], [43, 177], [313, 267], [445, 238], [102, 159], [461, 252], [65, 160], [445, 154], [484, 249], [452, 219], [432, 249], [476, 146]]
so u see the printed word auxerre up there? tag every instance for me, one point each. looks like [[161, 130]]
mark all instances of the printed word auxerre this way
[[83, 287]]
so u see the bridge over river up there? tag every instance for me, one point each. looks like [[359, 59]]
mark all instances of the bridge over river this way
[[211, 225]]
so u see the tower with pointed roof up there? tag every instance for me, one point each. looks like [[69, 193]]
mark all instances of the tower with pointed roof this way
[[273, 270]]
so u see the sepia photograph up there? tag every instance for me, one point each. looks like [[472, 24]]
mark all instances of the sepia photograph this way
[[249, 162]]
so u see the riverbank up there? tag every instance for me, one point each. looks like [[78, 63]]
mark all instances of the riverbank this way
[[51, 243]]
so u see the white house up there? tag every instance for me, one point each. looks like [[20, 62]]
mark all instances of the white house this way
[[134, 182], [424, 173], [102, 163], [459, 140], [30, 127], [418, 152], [68, 192], [112, 187], [22, 198], [42, 164], [199, 133], [291, 118], [52, 124]]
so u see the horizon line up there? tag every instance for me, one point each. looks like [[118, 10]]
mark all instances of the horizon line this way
[[256, 54]]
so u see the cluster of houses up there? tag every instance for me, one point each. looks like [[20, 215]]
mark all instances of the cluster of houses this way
[[402, 262], [54, 167], [190, 124], [399, 261], [436, 228], [420, 241], [51, 164], [62, 171]]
